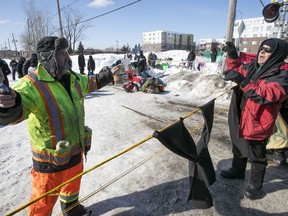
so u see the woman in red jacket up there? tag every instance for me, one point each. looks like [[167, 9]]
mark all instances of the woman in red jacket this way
[[262, 88]]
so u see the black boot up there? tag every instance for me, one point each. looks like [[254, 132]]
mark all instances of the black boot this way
[[279, 157], [253, 192], [237, 170], [232, 174], [78, 210]]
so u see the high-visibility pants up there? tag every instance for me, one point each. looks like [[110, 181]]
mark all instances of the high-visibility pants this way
[[44, 182]]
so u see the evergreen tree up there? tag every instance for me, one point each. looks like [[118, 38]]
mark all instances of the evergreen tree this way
[[135, 49], [80, 48], [70, 51], [125, 48]]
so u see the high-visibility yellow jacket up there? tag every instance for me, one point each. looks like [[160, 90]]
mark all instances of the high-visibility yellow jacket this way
[[54, 116]]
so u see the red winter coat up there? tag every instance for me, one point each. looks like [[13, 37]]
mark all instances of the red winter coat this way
[[263, 92]]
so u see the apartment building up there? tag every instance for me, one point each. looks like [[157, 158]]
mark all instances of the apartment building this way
[[209, 44], [160, 40], [249, 33]]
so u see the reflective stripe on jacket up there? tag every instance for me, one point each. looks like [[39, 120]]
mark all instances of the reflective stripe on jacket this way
[[53, 116]]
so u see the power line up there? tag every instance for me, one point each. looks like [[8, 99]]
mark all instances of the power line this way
[[104, 13], [69, 4], [110, 11], [60, 10]]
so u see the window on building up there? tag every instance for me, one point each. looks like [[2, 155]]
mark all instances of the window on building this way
[[254, 42], [255, 29], [248, 23], [268, 28], [245, 42], [256, 22]]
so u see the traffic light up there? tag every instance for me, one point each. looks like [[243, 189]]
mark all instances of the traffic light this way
[[271, 12]]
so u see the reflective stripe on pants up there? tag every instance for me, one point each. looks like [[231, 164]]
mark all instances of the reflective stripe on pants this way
[[44, 182]]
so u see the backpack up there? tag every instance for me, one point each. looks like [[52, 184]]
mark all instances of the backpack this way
[[128, 87], [153, 85]]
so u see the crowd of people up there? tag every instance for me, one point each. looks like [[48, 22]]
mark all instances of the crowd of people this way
[[22, 67]]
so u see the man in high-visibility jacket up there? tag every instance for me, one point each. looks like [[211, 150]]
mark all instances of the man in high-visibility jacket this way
[[51, 100]]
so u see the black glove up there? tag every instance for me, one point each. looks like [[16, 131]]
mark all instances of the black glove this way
[[234, 76], [104, 77], [231, 50], [245, 82]]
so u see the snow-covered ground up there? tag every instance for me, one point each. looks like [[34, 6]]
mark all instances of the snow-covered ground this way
[[148, 179]]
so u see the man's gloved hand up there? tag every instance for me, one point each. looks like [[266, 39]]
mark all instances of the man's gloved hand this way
[[234, 76], [7, 99], [231, 50]]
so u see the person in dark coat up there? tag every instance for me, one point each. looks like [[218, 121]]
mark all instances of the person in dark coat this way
[[20, 66], [81, 63], [214, 54], [13, 64], [33, 65], [91, 64], [27, 63], [142, 63], [152, 58], [257, 99], [191, 58], [136, 57], [5, 70]]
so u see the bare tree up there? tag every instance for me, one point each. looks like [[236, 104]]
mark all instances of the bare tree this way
[[72, 27], [37, 26]]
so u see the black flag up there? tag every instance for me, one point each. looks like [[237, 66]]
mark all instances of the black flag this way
[[202, 174], [240, 146]]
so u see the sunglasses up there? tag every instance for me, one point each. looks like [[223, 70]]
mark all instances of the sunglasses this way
[[266, 49]]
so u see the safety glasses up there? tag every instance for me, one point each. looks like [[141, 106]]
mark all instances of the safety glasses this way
[[266, 49]]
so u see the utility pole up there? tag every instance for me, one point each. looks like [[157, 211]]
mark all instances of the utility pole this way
[[59, 16], [117, 46], [29, 37], [14, 41], [230, 26], [231, 19], [9, 44]]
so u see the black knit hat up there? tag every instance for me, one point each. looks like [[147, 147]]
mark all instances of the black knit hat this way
[[51, 43], [46, 44], [271, 43], [61, 43]]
